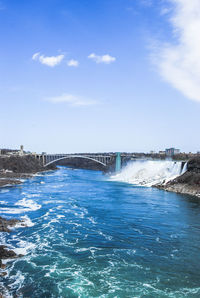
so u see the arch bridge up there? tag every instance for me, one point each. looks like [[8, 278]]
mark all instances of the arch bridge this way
[[47, 159]]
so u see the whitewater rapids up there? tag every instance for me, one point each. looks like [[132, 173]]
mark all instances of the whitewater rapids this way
[[149, 172]]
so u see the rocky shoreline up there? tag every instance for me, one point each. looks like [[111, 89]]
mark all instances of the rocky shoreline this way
[[12, 170], [188, 183], [5, 253], [15, 168]]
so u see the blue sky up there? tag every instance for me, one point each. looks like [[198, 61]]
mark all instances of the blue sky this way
[[100, 75]]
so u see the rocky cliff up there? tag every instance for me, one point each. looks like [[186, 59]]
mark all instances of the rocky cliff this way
[[188, 183], [22, 164], [15, 167]]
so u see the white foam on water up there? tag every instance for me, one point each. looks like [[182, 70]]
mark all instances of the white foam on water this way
[[81, 249], [60, 207], [4, 190], [3, 202], [5, 291], [24, 247], [60, 216], [35, 195], [12, 210], [107, 237], [92, 249], [18, 280], [148, 172], [47, 225], [74, 223], [92, 220], [29, 204], [79, 215], [54, 220], [27, 221]]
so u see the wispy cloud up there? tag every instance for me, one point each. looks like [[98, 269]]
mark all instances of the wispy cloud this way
[[107, 59], [73, 100], [51, 61], [165, 10], [73, 63], [35, 56], [147, 3], [179, 62]]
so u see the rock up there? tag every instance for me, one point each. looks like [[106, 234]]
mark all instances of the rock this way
[[188, 183], [194, 165], [14, 168], [6, 254], [4, 182], [3, 266], [22, 164], [5, 224], [3, 274]]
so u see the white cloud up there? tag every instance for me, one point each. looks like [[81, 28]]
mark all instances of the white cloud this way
[[35, 56], [48, 60], [179, 63], [73, 63], [107, 59], [72, 100]]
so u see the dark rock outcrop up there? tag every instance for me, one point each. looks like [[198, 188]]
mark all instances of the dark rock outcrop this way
[[14, 168], [4, 182], [5, 224], [193, 165], [23, 164], [188, 183], [7, 254]]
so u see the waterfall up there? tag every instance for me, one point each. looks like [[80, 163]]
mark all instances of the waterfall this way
[[149, 172], [184, 168]]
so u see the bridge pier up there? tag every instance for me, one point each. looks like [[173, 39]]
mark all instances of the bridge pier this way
[[118, 162]]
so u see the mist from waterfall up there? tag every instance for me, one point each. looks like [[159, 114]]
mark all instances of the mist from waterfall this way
[[149, 172]]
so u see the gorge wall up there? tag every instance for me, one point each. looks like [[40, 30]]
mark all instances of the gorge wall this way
[[188, 183]]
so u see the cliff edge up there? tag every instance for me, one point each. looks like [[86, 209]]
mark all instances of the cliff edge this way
[[13, 168], [188, 183]]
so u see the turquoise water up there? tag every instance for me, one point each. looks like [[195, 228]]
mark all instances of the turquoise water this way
[[91, 237]]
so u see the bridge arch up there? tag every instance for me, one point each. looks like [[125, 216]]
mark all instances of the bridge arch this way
[[74, 156]]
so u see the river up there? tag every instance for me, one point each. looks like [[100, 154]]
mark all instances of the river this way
[[92, 236]]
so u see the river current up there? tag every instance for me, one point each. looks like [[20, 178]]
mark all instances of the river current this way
[[90, 236]]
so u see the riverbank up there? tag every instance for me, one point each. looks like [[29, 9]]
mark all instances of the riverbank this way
[[188, 183], [6, 226], [13, 171]]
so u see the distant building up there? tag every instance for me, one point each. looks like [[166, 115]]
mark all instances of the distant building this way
[[21, 152], [172, 151], [5, 151], [162, 152]]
